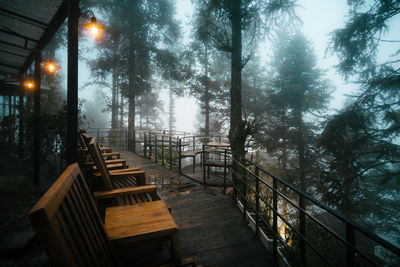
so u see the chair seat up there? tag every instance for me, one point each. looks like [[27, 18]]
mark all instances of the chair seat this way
[[147, 220]]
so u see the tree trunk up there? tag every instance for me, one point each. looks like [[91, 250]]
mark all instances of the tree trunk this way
[[301, 151], [207, 98], [114, 109], [131, 114], [237, 134], [171, 112]]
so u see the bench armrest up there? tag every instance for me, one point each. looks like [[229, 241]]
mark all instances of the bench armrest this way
[[124, 170], [128, 173], [125, 191]]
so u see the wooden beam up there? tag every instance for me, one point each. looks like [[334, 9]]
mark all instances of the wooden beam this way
[[72, 94], [21, 121], [51, 29], [36, 126]]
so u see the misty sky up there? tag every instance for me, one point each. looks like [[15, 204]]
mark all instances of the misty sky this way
[[319, 17]]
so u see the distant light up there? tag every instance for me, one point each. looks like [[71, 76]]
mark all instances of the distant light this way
[[51, 67], [94, 28], [29, 84]]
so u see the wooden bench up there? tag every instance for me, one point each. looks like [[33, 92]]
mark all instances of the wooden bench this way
[[117, 178], [69, 225]]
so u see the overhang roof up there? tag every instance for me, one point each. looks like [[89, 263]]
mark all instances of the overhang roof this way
[[26, 26]]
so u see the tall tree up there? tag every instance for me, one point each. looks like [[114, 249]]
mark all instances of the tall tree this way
[[357, 45], [361, 141], [231, 19], [299, 92], [144, 26]]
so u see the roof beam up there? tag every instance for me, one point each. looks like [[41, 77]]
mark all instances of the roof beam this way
[[9, 66], [23, 17], [11, 32], [19, 46], [52, 28], [11, 53]]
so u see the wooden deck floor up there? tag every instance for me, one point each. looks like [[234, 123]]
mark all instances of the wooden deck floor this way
[[212, 229]]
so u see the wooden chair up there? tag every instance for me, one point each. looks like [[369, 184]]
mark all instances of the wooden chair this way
[[69, 225], [84, 140], [117, 178], [87, 138]]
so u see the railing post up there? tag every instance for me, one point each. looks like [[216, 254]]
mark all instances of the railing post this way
[[302, 230], [194, 143], [180, 159], [170, 151], [204, 166], [155, 148], [224, 171], [275, 219], [257, 172], [134, 141], [150, 145], [244, 193], [162, 150], [350, 238], [145, 145]]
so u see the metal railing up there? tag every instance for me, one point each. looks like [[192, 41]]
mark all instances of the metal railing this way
[[304, 231], [301, 230], [117, 138]]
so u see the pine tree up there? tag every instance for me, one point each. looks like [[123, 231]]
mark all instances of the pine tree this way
[[299, 89]]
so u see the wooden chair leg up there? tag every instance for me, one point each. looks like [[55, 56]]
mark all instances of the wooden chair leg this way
[[175, 249]]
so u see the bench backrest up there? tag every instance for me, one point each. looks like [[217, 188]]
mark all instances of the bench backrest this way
[[81, 141], [95, 152], [69, 225], [86, 138]]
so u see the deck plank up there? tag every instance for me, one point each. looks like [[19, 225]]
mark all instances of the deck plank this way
[[211, 228]]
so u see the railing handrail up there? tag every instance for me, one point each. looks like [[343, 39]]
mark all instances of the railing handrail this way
[[358, 227]]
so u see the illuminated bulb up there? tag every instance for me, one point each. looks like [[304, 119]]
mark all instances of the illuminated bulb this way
[[94, 28], [51, 67], [94, 31], [29, 84]]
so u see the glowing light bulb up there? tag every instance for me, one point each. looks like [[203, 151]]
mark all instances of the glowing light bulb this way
[[94, 29], [29, 85], [51, 67]]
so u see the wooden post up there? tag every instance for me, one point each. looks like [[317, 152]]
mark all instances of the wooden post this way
[[72, 81], [257, 173], [21, 121], [302, 230], [350, 238], [36, 126]]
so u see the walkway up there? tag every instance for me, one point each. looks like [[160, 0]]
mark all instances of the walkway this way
[[212, 229]]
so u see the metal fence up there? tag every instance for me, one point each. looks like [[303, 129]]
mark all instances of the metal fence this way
[[117, 138], [302, 230]]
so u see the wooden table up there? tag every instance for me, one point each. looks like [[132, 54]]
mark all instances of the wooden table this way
[[219, 144], [143, 221]]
